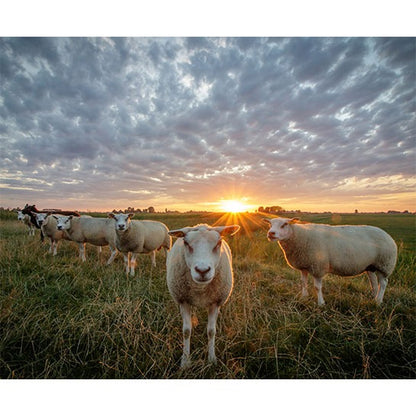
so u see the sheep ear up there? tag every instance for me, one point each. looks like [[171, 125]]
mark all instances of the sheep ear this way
[[293, 220], [268, 220], [177, 233], [131, 214], [55, 217], [227, 229], [70, 217], [110, 215]]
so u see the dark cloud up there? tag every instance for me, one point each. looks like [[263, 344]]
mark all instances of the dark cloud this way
[[188, 121]]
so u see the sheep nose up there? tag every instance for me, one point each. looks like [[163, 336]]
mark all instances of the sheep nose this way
[[121, 226], [59, 227], [272, 234], [202, 271]]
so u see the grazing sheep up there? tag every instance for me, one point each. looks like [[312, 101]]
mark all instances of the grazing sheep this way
[[25, 218], [47, 224], [86, 229], [200, 274], [138, 237], [344, 250]]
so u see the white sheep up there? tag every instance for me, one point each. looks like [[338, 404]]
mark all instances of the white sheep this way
[[135, 237], [200, 274], [86, 229], [25, 218], [47, 224], [344, 250]]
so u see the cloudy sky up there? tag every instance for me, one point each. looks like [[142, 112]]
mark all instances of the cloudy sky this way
[[324, 124]]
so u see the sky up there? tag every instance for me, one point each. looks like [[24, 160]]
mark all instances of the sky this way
[[316, 124]]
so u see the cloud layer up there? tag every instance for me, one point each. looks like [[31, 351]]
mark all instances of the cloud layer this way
[[306, 123]]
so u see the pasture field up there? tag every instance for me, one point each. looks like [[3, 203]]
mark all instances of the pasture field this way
[[61, 318]]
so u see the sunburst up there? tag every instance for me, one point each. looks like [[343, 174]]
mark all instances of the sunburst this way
[[233, 206]]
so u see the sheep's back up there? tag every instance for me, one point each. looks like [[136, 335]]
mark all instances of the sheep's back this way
[[346, 250], [99, 231], [154, 234]]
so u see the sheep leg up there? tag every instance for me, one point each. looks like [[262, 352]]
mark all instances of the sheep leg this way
[[54, 247], [211, 331], [317, 281], [304, 275], [133, 263], [383, 280], [113, 254], [186, 331], [127, 262], [373, 282], [153, 256], [82, 251]]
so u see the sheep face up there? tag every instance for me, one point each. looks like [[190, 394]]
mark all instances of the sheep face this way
[[202, 249], [280, 228], [41, 219], [122, 220], [63, 222], [20, 216]]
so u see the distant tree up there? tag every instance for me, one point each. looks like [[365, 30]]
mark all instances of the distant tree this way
[[260, 209], [151, 210]]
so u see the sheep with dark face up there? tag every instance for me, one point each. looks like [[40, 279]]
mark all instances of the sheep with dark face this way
[[344, 250], [200, 274], [135, 237]]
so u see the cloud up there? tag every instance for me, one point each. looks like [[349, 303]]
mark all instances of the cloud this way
[[172, 122]]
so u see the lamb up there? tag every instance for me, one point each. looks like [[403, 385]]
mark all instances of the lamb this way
[[25, 218], [200, 274], [47, 224], [87, 229], [344, 250], [134, 237]]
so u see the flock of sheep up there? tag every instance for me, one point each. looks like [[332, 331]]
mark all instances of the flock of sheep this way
[[199, 264]]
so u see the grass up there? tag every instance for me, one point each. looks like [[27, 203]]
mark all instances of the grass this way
[[61, 318]]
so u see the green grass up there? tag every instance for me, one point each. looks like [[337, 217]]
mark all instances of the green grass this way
[[61, 318]]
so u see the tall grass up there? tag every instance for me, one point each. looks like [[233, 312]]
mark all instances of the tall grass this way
[[61, 318]]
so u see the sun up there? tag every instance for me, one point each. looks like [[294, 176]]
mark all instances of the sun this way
[[233, 206]]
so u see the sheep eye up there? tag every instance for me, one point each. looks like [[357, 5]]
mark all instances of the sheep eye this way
[[284, 225], [218, 245], [188, 246]]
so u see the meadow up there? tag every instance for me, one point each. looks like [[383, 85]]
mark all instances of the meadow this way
[[61, 318]]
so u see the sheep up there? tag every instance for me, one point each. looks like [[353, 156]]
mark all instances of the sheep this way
[[344, 250], [47, 224], [31, 210], [200, 274], [87, 229], [136, 237], [25, 218]]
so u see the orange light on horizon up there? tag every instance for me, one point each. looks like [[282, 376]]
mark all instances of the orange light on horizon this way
[[233, 206]]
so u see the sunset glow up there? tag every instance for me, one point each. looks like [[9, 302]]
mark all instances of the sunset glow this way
[[192, 124], [233, 206]]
